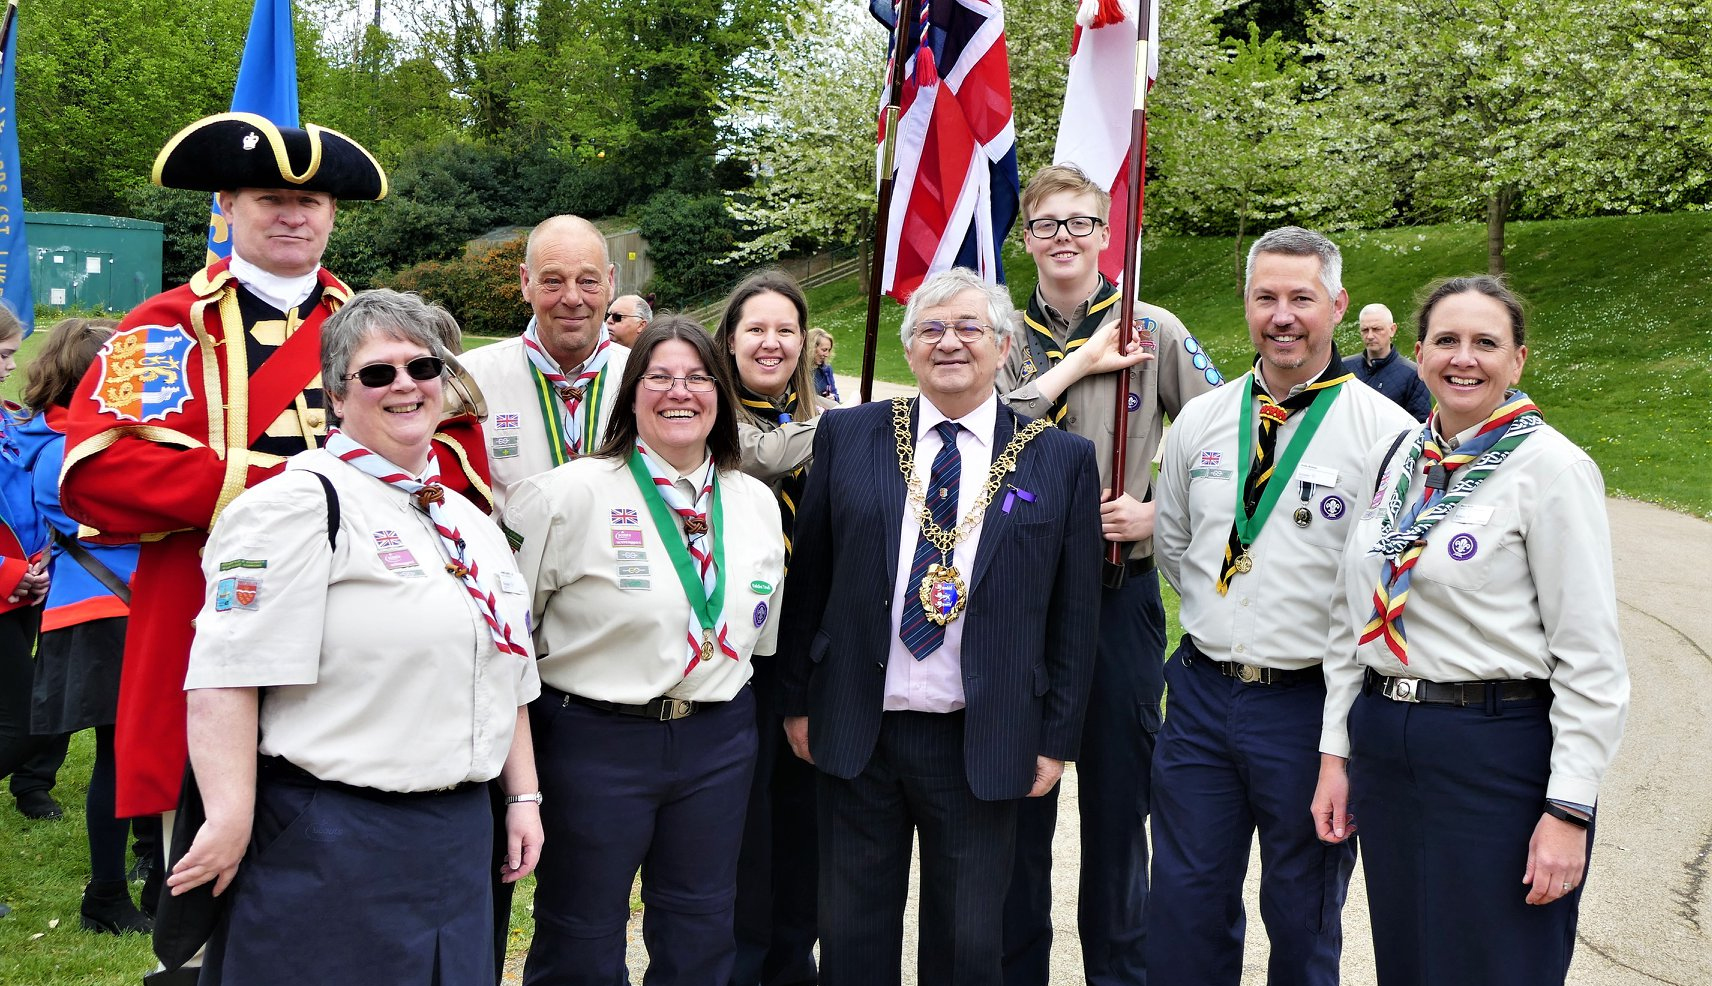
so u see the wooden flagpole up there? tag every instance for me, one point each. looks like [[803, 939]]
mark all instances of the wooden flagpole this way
[[883, 207], [1116, 550]]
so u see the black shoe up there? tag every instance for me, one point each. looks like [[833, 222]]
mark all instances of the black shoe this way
[[40, 806], [150, 897], [141, 867], [107, 909]]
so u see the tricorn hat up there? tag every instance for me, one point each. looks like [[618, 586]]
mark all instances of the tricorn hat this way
[[242, 150]]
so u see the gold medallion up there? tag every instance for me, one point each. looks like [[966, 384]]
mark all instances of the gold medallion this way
[[1244, 564], [942, 593], [707, 645]]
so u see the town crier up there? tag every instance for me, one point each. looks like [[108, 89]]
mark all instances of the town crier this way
[[204, 391]]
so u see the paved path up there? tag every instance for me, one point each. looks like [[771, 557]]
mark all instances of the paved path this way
[[1646, 917]]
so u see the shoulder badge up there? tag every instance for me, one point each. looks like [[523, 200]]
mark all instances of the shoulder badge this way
[[143, 372]]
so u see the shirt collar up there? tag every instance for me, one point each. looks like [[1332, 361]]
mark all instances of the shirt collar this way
[[283, 293], [1258, 375], [979, 422], [1075, 315]]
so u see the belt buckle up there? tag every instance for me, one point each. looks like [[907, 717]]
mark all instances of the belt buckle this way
[[1400, 689], [1248, 674], [675, 708]]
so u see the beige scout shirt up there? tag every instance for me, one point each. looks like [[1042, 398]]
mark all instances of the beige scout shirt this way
[[377, 666], [1278, 615], [516, 430], [1158, 388], [771, 452], [1515, 583], [611, 615]]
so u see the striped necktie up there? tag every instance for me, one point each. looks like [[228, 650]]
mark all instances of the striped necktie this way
[[921, 635]]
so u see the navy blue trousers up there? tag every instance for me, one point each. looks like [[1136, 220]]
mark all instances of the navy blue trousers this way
[[778, 866], [342, 888], [1447, 799], [1113, 774], [625, 793], [1233, 758], [914, 785]]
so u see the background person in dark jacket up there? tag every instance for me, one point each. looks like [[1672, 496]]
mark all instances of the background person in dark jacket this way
[[1384, 368]]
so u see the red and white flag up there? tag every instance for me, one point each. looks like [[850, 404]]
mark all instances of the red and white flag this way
[[1093, 132], [955, 192]]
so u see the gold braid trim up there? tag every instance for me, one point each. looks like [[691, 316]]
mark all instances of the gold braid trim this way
[[103, 441], [464, 462], [236, 426]]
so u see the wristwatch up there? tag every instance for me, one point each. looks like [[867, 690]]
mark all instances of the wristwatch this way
[[534, 796]]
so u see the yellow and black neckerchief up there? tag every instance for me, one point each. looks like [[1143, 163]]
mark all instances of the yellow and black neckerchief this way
[[1041, 341], [1255, 504], [769, 413]]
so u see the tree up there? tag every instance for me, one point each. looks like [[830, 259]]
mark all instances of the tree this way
[[806, 131], [1492, 105], [102, 86]]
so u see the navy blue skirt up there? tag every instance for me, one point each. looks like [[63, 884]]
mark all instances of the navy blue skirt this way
[[339, 886]]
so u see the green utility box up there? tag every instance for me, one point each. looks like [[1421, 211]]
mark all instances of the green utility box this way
[[84, 262]]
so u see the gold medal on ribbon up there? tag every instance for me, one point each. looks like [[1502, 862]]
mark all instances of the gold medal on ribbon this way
[[1244, 564], [707, 645], [942, 594]]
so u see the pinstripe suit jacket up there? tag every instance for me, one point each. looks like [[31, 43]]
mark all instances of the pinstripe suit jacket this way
[[1031, 617]]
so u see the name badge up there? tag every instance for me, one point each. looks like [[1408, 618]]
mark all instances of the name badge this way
[[1473, 514], [510, 582], [1317, 475]]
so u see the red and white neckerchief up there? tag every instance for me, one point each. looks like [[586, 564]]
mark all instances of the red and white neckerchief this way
[[428, 494], [700, 543], [571, 391]]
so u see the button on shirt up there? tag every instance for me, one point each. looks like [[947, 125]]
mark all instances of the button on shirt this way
[[935, 683]]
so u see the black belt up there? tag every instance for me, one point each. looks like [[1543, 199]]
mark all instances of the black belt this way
[[1250, 674], [662, 709], [281, 769], [1462, 693], [1138, 566]]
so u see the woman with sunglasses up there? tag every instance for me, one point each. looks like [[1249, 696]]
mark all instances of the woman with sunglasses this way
[[762, 334], [367, 635], [655, 569], [1485, 681]]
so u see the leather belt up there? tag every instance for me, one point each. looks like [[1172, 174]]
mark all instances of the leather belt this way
[[1460, 693], [662, 709], [1250, 674], [281, 769], [1138, 566]]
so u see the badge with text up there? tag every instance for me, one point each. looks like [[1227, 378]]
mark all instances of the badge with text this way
[[626, 537], [394, 555], [1463, 547]]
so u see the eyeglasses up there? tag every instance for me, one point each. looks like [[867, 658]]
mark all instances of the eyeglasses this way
[[383, 374], [967, 331], [1046, 229], [613, 318], [695, 383]]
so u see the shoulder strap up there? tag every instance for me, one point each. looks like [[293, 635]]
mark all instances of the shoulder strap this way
[[93, 565], [332, 511], [1379, 476]]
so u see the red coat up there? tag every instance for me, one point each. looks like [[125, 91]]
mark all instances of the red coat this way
[[158, 444]]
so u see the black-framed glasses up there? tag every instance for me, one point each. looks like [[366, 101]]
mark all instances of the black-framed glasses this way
[[1046, 229], [383, 374], [967, 330], [613, 318], [695, 383]]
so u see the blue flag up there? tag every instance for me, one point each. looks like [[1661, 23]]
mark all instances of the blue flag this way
[[267, 87], [14, 251]]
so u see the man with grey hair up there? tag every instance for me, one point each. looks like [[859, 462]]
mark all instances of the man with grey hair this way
[[939, 642], [1383, 368], [628, 316], [1257, 484], [550, 391]]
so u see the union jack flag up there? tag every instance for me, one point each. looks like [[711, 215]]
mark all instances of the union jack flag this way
[[624, 517], [956, 187]]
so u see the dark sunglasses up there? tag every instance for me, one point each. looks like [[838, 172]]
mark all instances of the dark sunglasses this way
[[613, 318], [383, 374]]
